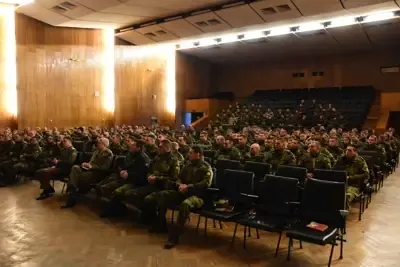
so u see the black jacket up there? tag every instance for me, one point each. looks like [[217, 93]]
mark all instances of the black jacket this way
[[137, 165]]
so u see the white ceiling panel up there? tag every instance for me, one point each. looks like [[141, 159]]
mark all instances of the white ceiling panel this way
[[208, 22], [384, 33], [38, 12], [362, 7], [89, 24], [134, 38], [276, 10], [181, 28], [74, 11], [314, 7], [156, 33], [176, 5], [352, 35], [240, 16], [133, 10], [107, 17], [98, 5]]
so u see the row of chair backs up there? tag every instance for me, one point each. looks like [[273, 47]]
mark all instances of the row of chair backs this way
[[233, 183]]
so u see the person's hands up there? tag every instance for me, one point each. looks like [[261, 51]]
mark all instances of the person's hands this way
[[151, 179], [183, 188], [123, 174]]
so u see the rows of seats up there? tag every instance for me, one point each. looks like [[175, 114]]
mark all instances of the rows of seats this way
[[352, 102]]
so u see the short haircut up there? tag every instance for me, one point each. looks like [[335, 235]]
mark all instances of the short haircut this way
[[175, 145], [197, 149], [68, 138], [204, 132], [243, 136], [166, 144], [139, 143]]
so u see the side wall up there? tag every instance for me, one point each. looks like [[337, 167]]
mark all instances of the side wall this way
[[60, 75]]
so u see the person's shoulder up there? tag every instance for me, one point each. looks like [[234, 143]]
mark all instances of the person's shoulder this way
[[107, 152]]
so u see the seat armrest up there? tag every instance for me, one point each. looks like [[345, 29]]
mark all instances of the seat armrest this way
[[253, 197]]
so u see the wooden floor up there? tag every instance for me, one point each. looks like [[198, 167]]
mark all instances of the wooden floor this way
[[39, 234]]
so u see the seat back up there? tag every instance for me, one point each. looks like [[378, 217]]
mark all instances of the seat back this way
[[224, 164], [209, 153], [233, 183], [322, 200], [292, 172], [214, 178], [370, 161], [276, 192], [79, 145], [331, 175], [369, 153], [259, 170], [118, 163]]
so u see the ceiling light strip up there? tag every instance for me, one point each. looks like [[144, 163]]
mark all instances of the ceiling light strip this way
[[310, 26]]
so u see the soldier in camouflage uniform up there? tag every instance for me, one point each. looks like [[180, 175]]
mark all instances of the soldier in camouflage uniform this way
[[295, 147], [204, 140], [254, 155], [185, 192], [62, 165], [82, 176], [228, 151], [50, 151], [183, 146], [6, 148], [268, 145], [280, 155], [164, 168], [28, 159], [357, 172], [131, 175], [116, 146], [14, 156], [150, 147], [314, 159], [175, 152], [373, 146], [334, 148], [219, 142], [242, 145]]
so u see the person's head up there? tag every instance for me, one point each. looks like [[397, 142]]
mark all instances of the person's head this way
[[303, 137], [102, 143], [164, 147], [228, 143], [174, 146], [33, 141], [314, 147], [269, 142], [151, 139], [333, 142], [203, 136], [195, 153], [162, 137], [67, 142], [280, 144], [294, 144], [255, 149], [115, 139], [242, 139], [372, 140], [351, 151], [50, 139], [220, 140], [182, 140], [346, 140]]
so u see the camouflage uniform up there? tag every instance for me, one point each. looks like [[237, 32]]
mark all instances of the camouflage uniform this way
[[381, 153], [151, 150], [312, 161], [325, 151], [336, 152], [298, 153], [165, 167], [253, 158], [276, 158], [29, 161], [197, 175], [50, 151], [184, 150], [232, 154], [243, 149], [180, 158], [357, 172], [137, 165], [66, 158], [116, 148], [80, 178]]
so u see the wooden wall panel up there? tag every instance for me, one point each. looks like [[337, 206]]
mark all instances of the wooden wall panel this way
[[141, 87], [59, 75], [345, 70]]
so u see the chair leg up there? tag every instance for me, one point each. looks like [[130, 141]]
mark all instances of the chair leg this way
[[341, 247], [289, 247], [244, 236], [360, 211], [301, 244], [198, 225], [215, 226], [258, 234], [279, 243], [62, 190], [220, 225], [330, 257], [234, 233], [249, 229], [205, 227]]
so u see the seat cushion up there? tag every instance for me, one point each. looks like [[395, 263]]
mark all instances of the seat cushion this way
[[270, 223], [302, 232], [220, 216]]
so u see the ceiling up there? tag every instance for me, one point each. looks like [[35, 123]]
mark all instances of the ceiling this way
[[381, 36], [205, 21]]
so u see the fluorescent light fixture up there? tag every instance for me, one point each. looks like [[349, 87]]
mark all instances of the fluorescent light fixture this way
[[253, 35], [207, 42], [229, 38], [343, 21], [186, 45], [279, 31], [313, 26], [378, 17], [17, 2]]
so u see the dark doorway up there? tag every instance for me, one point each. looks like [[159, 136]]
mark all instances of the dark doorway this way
[[394, 121]]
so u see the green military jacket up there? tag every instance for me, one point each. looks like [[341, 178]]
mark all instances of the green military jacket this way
[[325, 151], [116, 149], [151, 150], [232, 154], [184, 150], [312, 161], [380, 150], [298, 153], [206, 143], [253, 158], [356, 169], [17, 149], [67, 157], [31, 152], [336, 151], [276, 158], [101, 159], [165, 167], [51, 151], [196, 174], [243, 149], [179, 157]]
